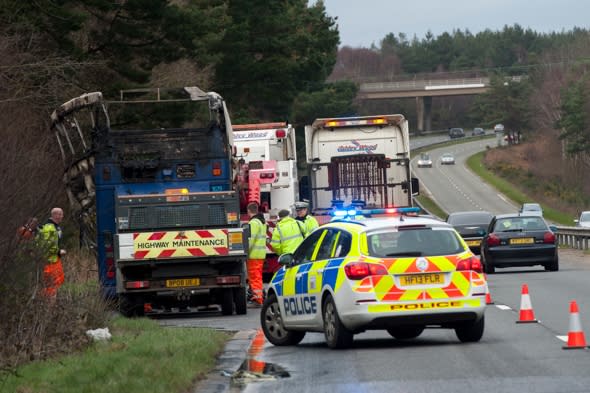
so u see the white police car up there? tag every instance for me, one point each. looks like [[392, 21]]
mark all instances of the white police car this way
[[401, 273]]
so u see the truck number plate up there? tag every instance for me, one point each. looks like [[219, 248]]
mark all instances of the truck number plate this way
[[183, 282]]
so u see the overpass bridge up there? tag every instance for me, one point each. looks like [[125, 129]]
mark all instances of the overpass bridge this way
[[424, 89]]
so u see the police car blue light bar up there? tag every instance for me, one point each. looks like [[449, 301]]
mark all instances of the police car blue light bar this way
[[368, 212]]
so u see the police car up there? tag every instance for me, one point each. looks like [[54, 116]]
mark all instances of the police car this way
[[399, 273]]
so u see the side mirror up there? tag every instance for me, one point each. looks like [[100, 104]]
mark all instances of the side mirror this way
[[286, 260], [553, 228]]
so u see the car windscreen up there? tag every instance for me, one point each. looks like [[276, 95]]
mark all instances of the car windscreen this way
[[414, 242], [520, 224]]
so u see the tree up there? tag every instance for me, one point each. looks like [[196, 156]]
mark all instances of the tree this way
[[574, 117], [272, 51], [506, 102]]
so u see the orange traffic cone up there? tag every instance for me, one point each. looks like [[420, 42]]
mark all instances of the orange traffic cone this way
[[527, 314], [575, 336], [488, 296]]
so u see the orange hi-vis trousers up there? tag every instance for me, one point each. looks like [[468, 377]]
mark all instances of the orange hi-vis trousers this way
[[254, 267], [53, 277]]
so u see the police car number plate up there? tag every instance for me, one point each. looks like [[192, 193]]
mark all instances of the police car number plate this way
[[183, 282], [422, 279]]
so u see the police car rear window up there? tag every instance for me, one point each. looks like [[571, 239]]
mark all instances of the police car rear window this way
[[414, 242]]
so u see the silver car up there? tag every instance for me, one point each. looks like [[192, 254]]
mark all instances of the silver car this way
[[447, 159]]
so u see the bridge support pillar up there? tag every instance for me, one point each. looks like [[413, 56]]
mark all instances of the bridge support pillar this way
[[420, 114], [427, 113], [424, 113]]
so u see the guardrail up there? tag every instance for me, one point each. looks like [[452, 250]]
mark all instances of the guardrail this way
[[574, 237]]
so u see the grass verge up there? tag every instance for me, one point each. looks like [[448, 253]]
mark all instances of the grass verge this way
[[141, 357], [475, 163]]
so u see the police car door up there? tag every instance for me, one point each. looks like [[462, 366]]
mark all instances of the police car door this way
[[298, 306]]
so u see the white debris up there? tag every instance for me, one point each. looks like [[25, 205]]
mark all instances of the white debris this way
[[99, 334]]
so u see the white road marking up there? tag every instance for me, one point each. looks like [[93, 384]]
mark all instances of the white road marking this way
[[503, 307], [502, 197], [562, 338]]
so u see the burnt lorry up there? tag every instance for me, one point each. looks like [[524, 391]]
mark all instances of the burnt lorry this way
[[150, 177]]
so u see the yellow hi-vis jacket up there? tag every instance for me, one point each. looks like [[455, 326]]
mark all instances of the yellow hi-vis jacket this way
[[49, 239], [309, 224], [257, 240], [287, 235]]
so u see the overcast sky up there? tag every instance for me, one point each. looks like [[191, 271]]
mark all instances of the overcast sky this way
[[364, 22]]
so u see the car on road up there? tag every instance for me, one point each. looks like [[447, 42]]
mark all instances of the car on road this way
[[447, 159], [424, 161], [456, 133], [583, 220], [398, 272], [531, 208], [478, 131], [518, 239], [472, 226]]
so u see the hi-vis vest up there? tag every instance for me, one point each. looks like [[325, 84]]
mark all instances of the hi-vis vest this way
[[310, 223], [49, 237], [287, 235], [257, 241]]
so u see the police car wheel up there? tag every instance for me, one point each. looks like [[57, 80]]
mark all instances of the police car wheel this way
[[405, 332], [337, 335], [470, 331], [271, 321]]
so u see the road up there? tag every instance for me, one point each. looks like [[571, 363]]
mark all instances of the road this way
[[511, 357]]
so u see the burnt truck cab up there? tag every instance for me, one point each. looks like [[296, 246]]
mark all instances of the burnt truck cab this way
[[152, 175]]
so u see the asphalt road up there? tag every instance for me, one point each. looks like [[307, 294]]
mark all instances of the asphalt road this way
[[511, 357]]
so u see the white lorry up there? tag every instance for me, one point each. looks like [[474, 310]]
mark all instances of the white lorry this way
[[356, 161], [267, 159]]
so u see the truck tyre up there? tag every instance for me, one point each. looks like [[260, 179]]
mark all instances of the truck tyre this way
[[337, 335], [271, 321], [470, 331], [227, 301], [405, 332], [240, 300], [131, 306]]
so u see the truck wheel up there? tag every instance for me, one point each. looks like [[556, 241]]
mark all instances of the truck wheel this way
[[271, 321], [131, 306], [240, 300], [227, 301], [337, 335], [470, 331]]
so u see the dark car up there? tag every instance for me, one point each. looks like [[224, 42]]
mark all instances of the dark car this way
[[472, 226], [519, 240], [456, 133]]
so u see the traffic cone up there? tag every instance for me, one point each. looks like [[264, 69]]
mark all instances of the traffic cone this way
[[575, 336], [526, 315], [488, 296]]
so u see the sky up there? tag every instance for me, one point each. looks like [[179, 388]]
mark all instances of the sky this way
[[365, 22]]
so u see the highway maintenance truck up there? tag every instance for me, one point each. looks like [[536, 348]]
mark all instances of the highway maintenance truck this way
[[359, 161], [151, 176]]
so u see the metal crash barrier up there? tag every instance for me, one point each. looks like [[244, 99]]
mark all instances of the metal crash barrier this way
[[574, 237]]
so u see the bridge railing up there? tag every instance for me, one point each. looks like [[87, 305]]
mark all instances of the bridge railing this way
[[422, 84]]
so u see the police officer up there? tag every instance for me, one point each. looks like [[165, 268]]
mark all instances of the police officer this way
[[287, 235], [256, 253], [309, 222]]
